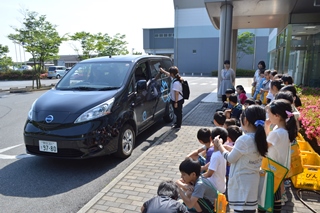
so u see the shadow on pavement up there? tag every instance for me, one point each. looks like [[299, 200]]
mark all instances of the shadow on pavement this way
[[42, 177]]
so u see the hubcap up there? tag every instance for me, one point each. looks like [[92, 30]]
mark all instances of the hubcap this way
[[171, 112], [127, 142]]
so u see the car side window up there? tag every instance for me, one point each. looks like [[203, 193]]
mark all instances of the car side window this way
[[154, 68], [131, 88], [141, 72], [166, 64]]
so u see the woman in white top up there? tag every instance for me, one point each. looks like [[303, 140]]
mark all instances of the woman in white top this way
[[279, 139], [175, 94], [245, 159]]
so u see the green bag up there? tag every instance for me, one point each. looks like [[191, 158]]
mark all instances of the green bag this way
[[265, 192]]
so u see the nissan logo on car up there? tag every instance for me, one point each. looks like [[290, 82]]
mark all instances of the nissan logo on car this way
[[49, 119]]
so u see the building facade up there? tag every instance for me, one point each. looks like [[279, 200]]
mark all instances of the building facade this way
[[293, 44], [193, 43]]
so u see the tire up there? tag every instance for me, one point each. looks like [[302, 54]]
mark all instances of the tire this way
[[168, 118], [58, 76], [49, 77], [126, 142]]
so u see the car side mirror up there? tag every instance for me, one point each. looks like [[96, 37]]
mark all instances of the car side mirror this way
[[141, 85]]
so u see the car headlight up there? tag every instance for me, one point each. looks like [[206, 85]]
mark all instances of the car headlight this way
[[96, 112], [30, 113]]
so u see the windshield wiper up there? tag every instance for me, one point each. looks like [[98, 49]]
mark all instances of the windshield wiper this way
[[84, 88], [108, 88]]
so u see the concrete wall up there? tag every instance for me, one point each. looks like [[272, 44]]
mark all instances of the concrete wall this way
[[261, 54], [197, 55]]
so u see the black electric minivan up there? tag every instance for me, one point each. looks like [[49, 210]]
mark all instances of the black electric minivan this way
[[99, 107]]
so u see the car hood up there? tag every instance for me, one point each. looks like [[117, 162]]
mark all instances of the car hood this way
[[66, 106]]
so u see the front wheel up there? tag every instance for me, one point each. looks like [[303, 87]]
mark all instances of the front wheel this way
[[126, 141], [58, 76]]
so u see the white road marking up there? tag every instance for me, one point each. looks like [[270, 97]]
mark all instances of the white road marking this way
[[8, 148], [13, 157]]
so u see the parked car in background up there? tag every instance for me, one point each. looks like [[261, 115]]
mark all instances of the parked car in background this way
[[56, 71], [99, 107], [25, 67], [14, 68]]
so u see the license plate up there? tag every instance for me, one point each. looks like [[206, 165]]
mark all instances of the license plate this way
[[48, 146]]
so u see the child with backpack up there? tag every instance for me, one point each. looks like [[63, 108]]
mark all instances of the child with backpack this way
[[179, 91], [202, 196]]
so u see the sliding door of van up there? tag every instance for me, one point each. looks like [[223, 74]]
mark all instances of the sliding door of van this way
[[159, 86]]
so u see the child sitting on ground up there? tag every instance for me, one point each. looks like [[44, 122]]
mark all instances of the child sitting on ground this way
[[249, 102], [229, 122], [241, 94], [236, 110], [219, 118], [203, 154], [203, 195], [166, 201], [217, 167], [226, 104]]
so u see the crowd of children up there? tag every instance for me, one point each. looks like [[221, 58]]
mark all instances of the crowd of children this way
[[246, 129]]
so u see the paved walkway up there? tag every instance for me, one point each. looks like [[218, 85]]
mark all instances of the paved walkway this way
[[139, 182]]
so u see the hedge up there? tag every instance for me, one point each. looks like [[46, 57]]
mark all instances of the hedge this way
[[239, 73], [16, 75]]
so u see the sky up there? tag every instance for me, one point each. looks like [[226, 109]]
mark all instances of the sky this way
[[127, 17]]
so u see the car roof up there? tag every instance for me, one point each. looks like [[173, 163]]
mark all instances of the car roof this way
[[120, 58]]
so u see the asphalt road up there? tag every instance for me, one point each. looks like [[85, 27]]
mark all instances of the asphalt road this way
[[6, 85], [36, 184]]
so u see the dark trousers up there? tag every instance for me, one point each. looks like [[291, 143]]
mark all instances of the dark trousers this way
[[178, 112]]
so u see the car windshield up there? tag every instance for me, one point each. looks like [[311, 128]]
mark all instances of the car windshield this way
[[52, 68], [95, 76]]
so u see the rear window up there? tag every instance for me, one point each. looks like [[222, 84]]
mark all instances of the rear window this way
[[52, 68]]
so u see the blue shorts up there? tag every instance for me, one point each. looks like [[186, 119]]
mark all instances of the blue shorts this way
[[202, 160]]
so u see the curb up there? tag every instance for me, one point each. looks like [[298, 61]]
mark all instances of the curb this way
[[26, 89], [96, 198]]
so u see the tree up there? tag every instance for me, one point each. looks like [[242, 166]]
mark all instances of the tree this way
[[5, 61], [89, 44], [40, 38], [116, 45], [93, 45], [245, 45]]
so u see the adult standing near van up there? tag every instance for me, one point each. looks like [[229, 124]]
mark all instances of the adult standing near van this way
[[228, 77], [175, 94]]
